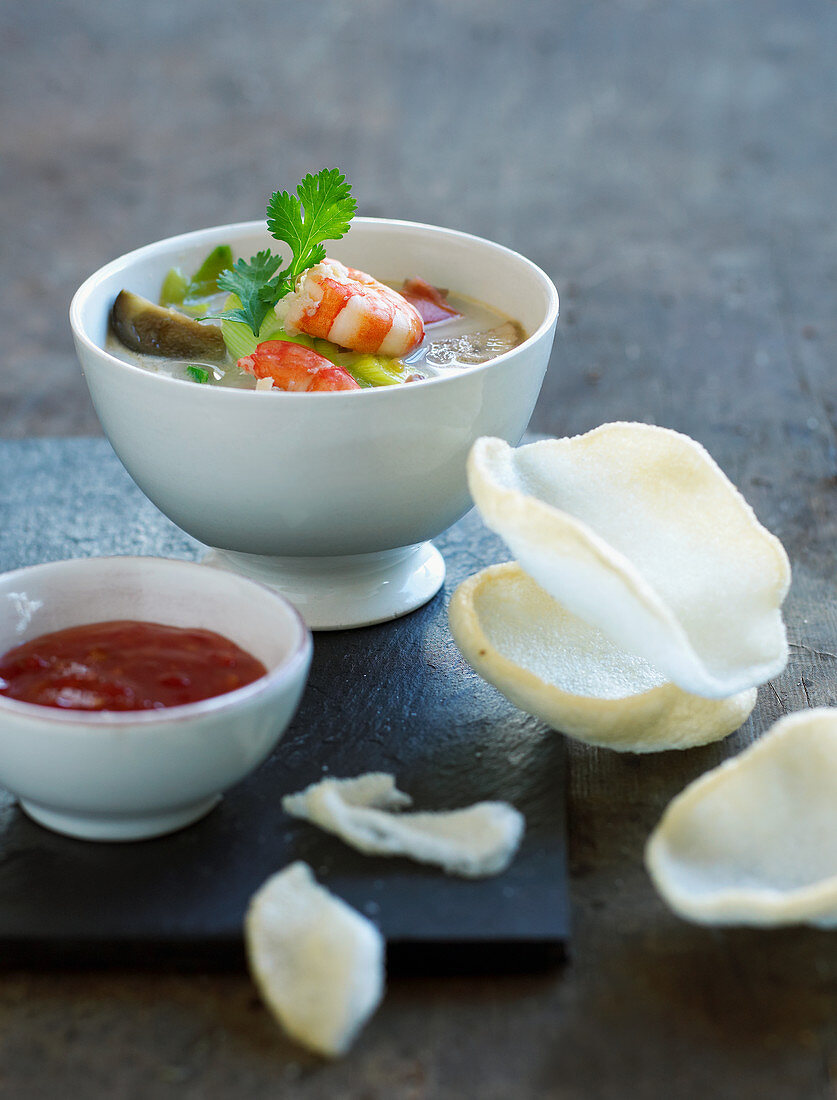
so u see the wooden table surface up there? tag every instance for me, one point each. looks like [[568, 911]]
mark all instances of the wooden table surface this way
[[671, 163]]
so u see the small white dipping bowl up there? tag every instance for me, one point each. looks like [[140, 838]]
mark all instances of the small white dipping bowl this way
[[136, 774], [331, 498]]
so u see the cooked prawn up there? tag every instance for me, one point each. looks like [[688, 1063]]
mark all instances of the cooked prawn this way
[[294, 367], [350, 308]]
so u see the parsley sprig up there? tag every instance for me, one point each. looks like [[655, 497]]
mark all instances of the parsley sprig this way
[[320, 211]]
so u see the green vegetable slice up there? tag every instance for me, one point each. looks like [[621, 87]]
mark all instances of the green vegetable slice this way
[[204, 282], [198, 374], [174, 288], [373, 370], [190, 294]]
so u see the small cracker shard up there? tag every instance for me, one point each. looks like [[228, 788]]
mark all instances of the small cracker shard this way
[[474, 842], [318, 964]]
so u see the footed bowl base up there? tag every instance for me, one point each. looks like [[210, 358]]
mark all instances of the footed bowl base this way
[[118, 827], [338, 593]]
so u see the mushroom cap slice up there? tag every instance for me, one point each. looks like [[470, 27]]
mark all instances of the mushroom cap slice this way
[[149, 329], [636, 530], [754, 841], [552, 664], [318, 963]]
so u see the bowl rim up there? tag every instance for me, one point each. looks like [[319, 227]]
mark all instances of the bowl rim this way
[[274, 679], [81, 296]]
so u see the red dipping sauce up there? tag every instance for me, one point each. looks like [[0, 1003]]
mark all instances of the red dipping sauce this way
[[125, 665]]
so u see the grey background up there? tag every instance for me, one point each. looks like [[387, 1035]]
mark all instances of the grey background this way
[[672, 166]]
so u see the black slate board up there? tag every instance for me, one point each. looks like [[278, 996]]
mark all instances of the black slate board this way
[[396, 697]]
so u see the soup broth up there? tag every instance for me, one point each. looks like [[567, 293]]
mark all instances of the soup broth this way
[[478, 334]]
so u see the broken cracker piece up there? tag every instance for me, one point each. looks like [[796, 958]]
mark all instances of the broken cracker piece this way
[[476, 841], [318, 963]]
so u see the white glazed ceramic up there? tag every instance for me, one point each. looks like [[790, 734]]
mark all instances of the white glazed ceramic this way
[[131, 775], [329, 497]]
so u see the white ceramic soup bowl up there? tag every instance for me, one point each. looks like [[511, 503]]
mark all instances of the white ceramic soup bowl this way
[[131, 775], [329, 497]]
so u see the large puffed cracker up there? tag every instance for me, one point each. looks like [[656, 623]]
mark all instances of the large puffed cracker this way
[[551, 664], [318, 963], [754, 841], [636, 530], [476, 841]]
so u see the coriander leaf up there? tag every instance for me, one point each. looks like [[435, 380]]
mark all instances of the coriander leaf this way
[[249, 281], [320, 211]]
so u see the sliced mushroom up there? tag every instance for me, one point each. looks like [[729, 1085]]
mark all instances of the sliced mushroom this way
[[475, 347], [154, 330]]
